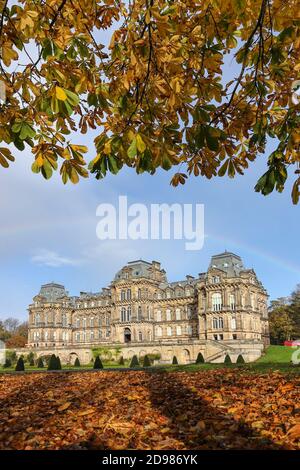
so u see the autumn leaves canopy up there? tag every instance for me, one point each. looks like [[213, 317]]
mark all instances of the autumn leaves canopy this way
[[153, 86]]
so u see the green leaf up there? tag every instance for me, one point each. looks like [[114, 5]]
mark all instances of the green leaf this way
[[132, 150]]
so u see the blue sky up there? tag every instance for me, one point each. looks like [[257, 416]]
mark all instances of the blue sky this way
[[48, 230]]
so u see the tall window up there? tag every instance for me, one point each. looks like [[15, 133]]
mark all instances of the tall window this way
[[128, 294], [168, 315], [221, 323], [169, 331], [77, 322], [123, 295], [178, 314], [233, 324], [232, 301], [215, 323], [158, 331], [84, 323], [92, 322], [64, 319], [92, 336], [129, 314], [178, 330], [216, 301], [158, 315], [140, 336], [123, 314], [189, 312], [148, 312], [77, 337], [139, 312], [252, 300], [139, 293]]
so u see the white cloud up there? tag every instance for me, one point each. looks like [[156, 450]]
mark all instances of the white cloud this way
[[51, 258]]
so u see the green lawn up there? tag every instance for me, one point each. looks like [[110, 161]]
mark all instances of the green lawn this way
[[277, 354]]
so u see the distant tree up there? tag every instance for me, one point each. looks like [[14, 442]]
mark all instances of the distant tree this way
[[200, 359], [30, 356], [146, 361], [240, 359], [77, 362], [98, 363], [52, 363], [227, 359], [134, 362], [121, 361], [11, 324], [281, 325], [40, 363], [20, 364], [58, 363], [16, 341], [174, 361]]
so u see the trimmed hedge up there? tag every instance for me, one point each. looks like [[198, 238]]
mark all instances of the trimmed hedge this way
[[134, 362], [240, 359], [146, 362], [98, 363], [227, 359]]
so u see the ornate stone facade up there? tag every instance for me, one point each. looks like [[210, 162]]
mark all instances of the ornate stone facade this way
[[223, 310]]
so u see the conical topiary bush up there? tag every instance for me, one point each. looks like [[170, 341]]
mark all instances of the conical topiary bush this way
[[77, 362], [134, 362], [52, 363], [240, 359], [146, 362], [174, 361], [20, 364], [121, 361], [227, 359], [200, 359], [98, 363], [40, 363], [31, 362]]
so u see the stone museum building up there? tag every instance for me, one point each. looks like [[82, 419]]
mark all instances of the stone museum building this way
[[221, 311]]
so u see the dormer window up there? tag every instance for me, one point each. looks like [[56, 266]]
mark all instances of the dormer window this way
[[215, 279]]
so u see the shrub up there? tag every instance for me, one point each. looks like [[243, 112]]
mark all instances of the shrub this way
[[30, 358], [98, 363], [52, 363], [20, 364], [200, 359], [240, 359], [40, 363], [12, 356], [146, 362], [134, 362], [58, 363], [227, 359], [121, 361], [7, 363], [77, 362], [174, 361]]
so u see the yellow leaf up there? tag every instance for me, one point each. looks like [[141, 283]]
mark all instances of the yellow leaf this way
[[64, 406], [141, 146], [86, 412], [60, 93]]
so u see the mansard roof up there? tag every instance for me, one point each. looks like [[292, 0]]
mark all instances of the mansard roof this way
[[228, 262], [53, 291], [138, 268]]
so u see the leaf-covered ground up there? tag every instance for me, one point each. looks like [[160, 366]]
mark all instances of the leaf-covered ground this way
[[214, 409]]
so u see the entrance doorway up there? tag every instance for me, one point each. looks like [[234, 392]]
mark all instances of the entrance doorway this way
[[127, 335]]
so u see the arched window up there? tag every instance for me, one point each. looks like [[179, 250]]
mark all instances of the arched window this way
[[168, 315], [158, 315], [123, 314], [140, 336], [216, 301], [139, 312], [158, 331], [178, 314], [129, 313], [216, 279], [215, 323], [221, 323]]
